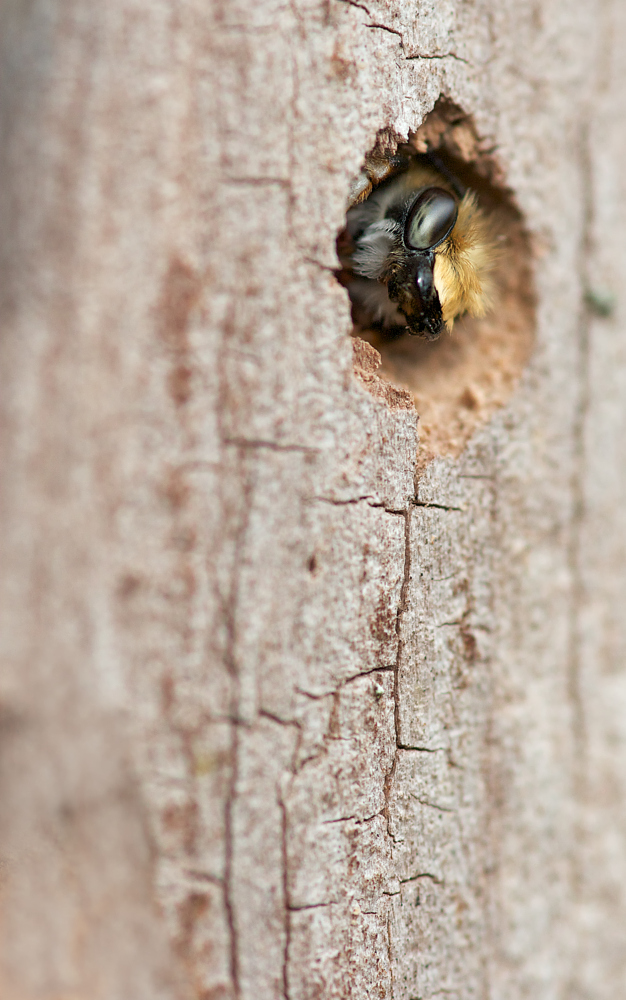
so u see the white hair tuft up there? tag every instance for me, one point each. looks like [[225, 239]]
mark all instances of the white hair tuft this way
[[374, 247]]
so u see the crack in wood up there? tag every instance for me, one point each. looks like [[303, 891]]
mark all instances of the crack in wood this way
[[437, 506], [264, 713], [407, 746], [437, 55], [229, 907], [402, 606], [428, 875], [354, 3], [433, 805], [346, 819], [287, 905], [371, 500], [385, 27]]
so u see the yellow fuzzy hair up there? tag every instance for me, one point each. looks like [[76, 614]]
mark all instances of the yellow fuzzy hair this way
[[463, 264]]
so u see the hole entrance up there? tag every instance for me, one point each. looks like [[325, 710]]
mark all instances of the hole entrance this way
[[458, 380]]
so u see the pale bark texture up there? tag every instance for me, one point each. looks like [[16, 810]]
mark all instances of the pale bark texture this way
[[279, 717]]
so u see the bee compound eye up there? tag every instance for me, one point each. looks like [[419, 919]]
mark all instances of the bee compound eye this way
[[431, 219]]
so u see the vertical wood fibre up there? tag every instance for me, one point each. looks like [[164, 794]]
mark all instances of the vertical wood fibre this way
[[351, 731]]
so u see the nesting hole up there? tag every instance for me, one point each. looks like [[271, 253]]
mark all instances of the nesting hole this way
[[459, 380]]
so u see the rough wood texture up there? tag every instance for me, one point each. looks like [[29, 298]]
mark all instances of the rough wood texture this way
[[355, 737]]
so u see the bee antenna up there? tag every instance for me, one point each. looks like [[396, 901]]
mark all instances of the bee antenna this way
[[452, 179]]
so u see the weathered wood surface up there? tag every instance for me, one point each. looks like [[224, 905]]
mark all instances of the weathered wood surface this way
[[355, 738]]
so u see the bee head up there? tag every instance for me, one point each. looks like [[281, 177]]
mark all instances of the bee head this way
[[430, 249], [411, 284]]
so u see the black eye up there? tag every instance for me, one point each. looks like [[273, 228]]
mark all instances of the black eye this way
[[431, 219]]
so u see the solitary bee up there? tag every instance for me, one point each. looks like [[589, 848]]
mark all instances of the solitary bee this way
[[418, 250]]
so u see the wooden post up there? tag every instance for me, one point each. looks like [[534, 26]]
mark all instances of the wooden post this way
[[292, 706]]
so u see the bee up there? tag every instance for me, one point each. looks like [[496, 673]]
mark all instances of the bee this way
[[418, 250]]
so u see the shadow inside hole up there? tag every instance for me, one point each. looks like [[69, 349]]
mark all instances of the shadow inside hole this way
[[460, 379]]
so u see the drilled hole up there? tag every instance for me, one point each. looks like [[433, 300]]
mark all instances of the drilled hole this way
[[458, 380]]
